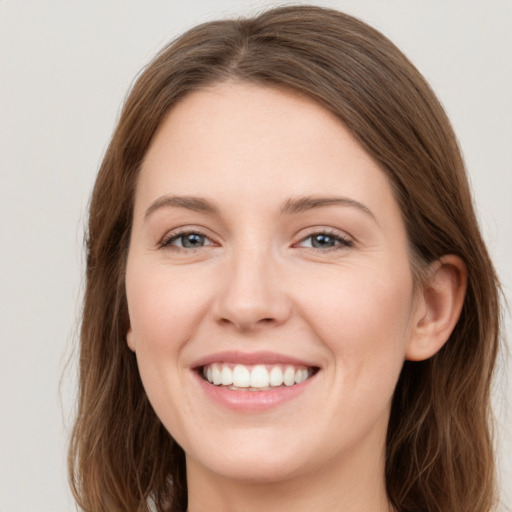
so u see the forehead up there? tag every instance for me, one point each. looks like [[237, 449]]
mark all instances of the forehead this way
[[245, 142]]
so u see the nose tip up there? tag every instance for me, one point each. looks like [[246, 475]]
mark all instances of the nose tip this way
[[251, 298], [248, 319]]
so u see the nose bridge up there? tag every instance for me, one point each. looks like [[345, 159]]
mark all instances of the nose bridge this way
[[252, 294]]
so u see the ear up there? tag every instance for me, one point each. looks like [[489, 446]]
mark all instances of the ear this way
[[130, 339], [439, 306]]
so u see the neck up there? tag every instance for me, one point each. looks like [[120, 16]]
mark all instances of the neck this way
[[349, 488]]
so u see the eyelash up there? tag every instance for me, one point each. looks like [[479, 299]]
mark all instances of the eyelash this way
[[341, 241]]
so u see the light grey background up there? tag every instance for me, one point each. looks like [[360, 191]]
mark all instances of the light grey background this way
[[65, 67]]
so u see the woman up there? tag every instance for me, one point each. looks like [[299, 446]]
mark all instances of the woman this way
[[288, 303]]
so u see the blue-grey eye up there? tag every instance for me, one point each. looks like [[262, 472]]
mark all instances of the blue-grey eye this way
[[187, 240], [325, 241], [322, 240], [192, 240]]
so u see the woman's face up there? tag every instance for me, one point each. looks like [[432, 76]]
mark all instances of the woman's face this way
[[267, 247]]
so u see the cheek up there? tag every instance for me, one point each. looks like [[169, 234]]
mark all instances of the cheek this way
[[164, 312], [364, 320], [164, 307]]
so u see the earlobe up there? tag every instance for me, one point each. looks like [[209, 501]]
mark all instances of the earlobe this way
[[441, 303], [129, 339]]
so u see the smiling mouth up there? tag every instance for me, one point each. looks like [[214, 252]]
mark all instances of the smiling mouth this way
[[259, 377]]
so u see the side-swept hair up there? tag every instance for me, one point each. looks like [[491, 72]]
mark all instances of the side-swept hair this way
[[439, 454]]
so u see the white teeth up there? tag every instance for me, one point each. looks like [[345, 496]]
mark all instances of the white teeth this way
[[226, 376], [301, 375], [258, 377], [276, 376], [241, 376], [216, 375], [289, 376]]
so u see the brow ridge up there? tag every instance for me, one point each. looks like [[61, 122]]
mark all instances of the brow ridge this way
[[197, 204], [289, 207], [301, 204]]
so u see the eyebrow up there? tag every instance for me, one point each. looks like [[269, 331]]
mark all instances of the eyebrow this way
[[301, 204], [289, 207], [196, 204]]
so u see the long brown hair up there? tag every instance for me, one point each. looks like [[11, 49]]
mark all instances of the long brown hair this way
[[439, 444]]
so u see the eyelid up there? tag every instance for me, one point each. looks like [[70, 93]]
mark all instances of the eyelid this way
[[343, 239], [181, 232]]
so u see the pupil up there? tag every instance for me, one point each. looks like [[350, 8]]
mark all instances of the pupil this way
[[192, 240], [323, 241]]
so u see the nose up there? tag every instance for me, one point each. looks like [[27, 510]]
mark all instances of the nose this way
[[252, 294]]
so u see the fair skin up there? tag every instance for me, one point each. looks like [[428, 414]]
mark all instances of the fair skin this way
[[248, 274]]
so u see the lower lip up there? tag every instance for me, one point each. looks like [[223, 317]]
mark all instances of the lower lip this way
[[252, 401]]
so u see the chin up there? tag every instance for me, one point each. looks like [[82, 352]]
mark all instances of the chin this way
[[262, 460], [257, 470]]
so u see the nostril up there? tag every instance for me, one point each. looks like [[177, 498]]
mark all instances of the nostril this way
[[246, 325]]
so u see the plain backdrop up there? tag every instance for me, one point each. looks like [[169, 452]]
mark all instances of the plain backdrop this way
[[65, 67]]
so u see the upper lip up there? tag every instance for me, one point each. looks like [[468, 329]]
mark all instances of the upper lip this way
[[250, 358]]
